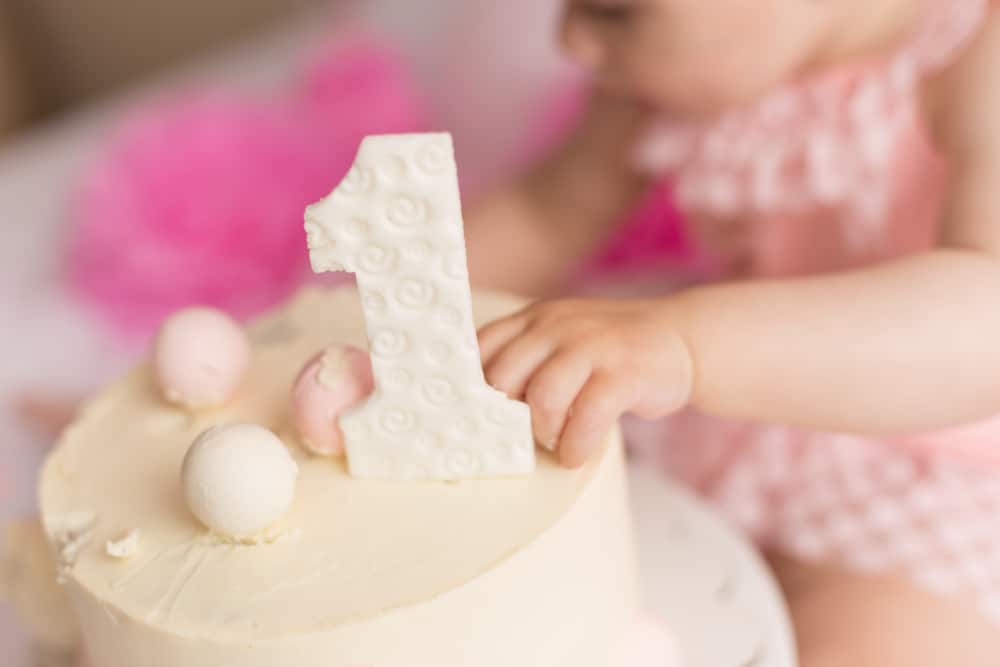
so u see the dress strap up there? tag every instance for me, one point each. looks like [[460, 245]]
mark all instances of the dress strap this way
[[947, 28]]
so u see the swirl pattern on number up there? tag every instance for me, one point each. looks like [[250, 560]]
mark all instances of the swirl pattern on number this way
[[464, 427], [396, 421], [376, 259], [498, 414], [439, 392], [439, 352], [504, 450], [420, 250], [373, 301], [425, 444], [398, 378], [463, 462], [407, 211], [356, 229], [432, 159], [389, 344], [392, 169], [415, 293], [450, 316], [357, 182]]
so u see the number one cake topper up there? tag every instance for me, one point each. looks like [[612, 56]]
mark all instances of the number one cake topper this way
[[396, 222]]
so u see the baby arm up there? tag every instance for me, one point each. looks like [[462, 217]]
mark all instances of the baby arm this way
[[528, 237], [908, 345]]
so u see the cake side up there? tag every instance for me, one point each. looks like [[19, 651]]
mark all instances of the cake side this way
[[564, 600], [354, 562]]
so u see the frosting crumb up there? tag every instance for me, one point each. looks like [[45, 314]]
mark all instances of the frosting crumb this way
[[125, 546], [70, 533], [261, 539]]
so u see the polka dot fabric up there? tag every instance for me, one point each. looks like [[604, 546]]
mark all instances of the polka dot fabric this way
[[831, 141], [852, 143], [865, 504]]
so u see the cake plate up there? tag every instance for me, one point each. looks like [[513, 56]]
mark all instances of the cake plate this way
[[707, 584]]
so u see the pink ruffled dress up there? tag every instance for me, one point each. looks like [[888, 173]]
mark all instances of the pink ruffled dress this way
[[840, 171]]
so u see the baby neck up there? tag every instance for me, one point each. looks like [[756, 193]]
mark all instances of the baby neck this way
[[867, 29]]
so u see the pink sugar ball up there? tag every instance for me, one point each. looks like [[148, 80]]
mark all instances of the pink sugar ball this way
[[332, 382], [200, 356]]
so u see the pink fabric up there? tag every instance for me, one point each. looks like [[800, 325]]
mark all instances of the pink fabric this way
[[848, 144], [863, 503], [198, 199], [652, 236], [839, 171]]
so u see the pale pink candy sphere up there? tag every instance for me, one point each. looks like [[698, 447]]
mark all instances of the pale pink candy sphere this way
[[333, 381], [648, 643], [200, 356]]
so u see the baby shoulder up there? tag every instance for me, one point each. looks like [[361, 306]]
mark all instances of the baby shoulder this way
[[964, 100]]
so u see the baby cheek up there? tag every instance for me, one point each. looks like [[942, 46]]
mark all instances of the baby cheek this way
[[679, 84]]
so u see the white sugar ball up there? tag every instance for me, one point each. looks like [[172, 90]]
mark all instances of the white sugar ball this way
[[199, 357], [239, 479]]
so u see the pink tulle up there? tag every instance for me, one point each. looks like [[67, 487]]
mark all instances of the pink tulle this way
[[199, 198]]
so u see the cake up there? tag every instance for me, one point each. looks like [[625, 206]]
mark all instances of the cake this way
[[450, 545], [533, 570]]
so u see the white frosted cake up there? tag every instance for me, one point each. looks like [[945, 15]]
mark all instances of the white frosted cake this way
[[532, 570], [443, 539]]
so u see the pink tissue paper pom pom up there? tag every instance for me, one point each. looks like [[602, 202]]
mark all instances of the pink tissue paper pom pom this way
[[199, 198]]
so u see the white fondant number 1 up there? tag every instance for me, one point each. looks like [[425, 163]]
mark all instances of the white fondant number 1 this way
[[396, 221]]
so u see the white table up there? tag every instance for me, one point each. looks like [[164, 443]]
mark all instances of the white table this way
[[706, 582]]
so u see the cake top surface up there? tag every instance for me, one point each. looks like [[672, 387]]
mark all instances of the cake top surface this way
[[348, 549]]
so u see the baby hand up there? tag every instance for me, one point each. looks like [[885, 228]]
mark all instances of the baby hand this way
[[580, 364]]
